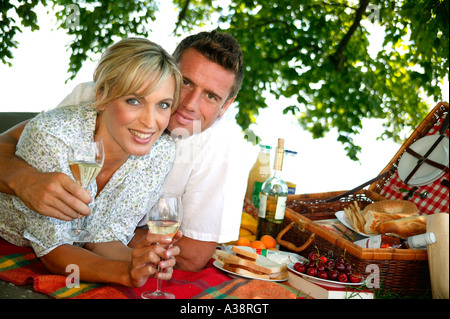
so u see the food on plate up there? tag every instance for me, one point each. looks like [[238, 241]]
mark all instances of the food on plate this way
[[393, 216], [244, 261], [353, 213], [374, 220], [322, 267], [392, 206], [405, 227], [243, 241]]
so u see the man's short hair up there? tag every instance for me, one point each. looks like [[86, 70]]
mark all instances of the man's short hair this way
[[220, 48]]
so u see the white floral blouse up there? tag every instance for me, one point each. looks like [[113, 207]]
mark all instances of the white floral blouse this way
[[116, 211]]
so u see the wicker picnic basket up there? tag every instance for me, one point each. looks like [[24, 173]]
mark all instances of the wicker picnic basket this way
[[401, 271]]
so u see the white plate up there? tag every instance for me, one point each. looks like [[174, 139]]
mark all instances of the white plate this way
[[342, 217], [325, 282], [217, 264], [426, 173]]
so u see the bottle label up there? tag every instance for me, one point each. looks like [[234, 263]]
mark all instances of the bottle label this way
[[256, 191], [262, 206], [281, 207], [371, 242]]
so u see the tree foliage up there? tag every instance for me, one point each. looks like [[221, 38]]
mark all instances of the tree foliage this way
[[316, 53]]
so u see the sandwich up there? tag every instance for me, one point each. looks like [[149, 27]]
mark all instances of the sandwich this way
[[244, 261]]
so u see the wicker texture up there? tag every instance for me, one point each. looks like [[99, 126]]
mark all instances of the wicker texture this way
[[402, 271]]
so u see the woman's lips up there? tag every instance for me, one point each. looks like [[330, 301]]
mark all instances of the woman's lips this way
[[141, 137]]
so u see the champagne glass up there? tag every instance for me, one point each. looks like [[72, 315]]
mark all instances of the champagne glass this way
[[85, 161], [164, 218]]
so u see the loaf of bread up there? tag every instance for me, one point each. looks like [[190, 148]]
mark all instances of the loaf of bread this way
[[375, 219], [392, 206], [405, 227]]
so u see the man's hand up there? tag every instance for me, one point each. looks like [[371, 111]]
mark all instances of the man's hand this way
[[53, 194]]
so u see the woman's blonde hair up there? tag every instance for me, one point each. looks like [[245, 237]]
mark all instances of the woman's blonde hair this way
[[128, 64]]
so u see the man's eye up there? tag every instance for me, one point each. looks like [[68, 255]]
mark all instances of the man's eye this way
[[185, 82], [210, 97]]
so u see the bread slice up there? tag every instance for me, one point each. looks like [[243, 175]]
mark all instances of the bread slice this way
[[244, 272], [220, 255], [245, 252], [248, 263]]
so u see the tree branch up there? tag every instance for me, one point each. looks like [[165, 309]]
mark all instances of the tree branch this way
[[338, 57], [182, 15]]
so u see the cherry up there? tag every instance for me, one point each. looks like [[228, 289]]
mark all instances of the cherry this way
[[348, 266], [311, 264], [339, 267], [322, 275], [300, 268], [311, 272], [342, 277], [340, 260], [355, 278], [329, 264], [348, 272], [332, 275], [320, 267], [323, 259], [313, 256]]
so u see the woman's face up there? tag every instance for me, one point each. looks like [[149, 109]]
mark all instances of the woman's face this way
[[131, 124]]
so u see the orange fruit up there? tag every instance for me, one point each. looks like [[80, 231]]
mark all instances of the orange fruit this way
[[257, 244], [269, 241], [242, 241]]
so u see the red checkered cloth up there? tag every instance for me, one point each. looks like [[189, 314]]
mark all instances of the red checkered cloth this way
[[437, 200], [20, 266]]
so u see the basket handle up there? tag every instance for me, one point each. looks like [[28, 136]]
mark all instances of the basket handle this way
[[290, 245]]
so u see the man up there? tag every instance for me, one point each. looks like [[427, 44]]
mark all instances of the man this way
[[206, 173]]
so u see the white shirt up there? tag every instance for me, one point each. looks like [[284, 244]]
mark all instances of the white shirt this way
[[210, 173]]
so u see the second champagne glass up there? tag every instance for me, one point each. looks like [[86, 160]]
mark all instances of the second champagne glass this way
[[164, 218], [85, 162]]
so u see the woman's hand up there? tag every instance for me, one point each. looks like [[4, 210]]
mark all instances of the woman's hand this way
[[150, 252]]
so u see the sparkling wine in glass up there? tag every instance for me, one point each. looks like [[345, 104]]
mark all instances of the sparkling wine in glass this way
[[85, 162], [164, 218]]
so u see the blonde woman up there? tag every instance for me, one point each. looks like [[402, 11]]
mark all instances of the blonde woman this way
[[137, 87]]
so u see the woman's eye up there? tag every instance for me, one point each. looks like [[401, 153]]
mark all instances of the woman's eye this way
[[133, 101], [164, 105]]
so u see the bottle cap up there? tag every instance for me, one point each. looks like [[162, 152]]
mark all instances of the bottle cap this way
[[430, 238], [281, 143]]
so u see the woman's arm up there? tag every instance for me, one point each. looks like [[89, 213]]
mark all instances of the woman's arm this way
[[115, 263]]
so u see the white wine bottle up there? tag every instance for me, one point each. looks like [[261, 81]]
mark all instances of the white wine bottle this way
[[273, 198]]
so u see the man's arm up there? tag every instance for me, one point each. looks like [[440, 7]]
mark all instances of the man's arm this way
[[50, 194]]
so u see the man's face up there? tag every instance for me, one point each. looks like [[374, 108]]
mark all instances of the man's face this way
[[206, 86]]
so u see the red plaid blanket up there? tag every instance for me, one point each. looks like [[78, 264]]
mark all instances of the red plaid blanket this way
[[20, 266], [437, 200]]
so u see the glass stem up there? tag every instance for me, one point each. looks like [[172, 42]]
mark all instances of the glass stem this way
[[158, 282], [78, 222]]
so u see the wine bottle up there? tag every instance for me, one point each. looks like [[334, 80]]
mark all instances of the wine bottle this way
[[273, 198], [384, 241]]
